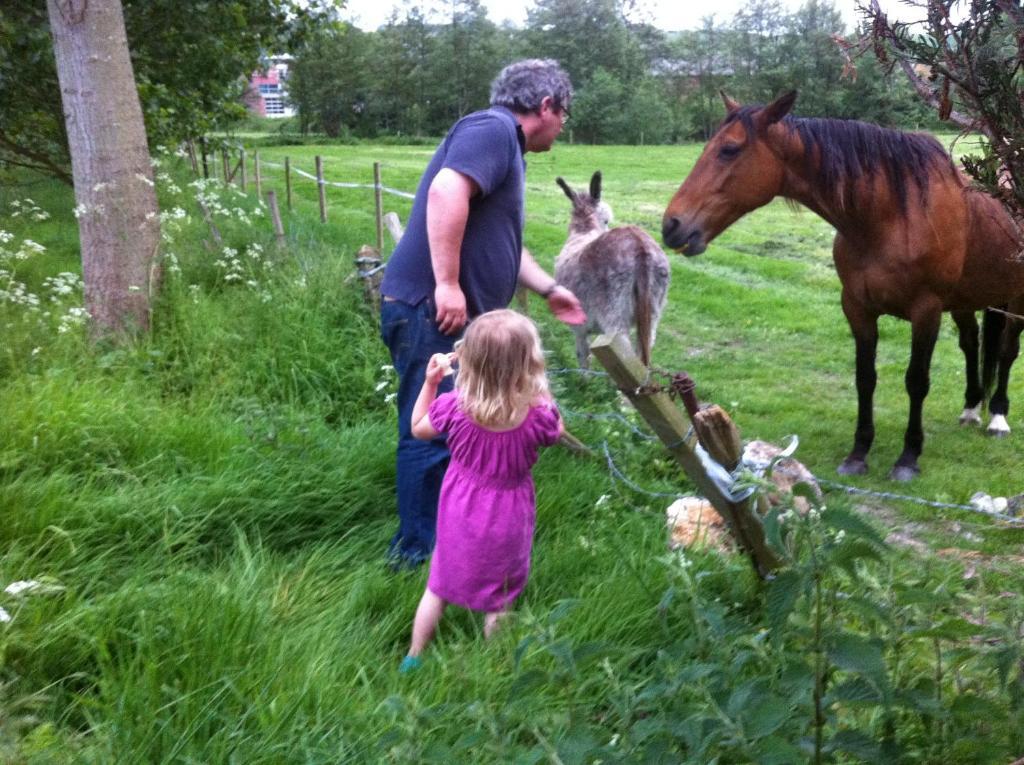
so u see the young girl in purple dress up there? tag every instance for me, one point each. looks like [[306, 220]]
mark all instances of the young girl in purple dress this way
[[496, 419]]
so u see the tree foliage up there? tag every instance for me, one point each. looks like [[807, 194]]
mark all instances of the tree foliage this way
[[190, 57], [967, 62]]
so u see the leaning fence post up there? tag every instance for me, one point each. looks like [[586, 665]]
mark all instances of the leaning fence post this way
[[275, 218], [379, 202], [224, 161], [661, 413], [288, 183], [241, 169], [320, 188]]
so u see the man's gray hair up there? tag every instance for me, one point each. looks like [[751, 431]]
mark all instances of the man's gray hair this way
[[522, 85]]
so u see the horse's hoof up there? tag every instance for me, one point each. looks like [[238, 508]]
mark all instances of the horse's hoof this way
[[904, 473], [852, 467], [998, 427], [971, 416]]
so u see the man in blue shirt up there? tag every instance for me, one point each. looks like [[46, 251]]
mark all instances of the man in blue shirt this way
[[462, 255]]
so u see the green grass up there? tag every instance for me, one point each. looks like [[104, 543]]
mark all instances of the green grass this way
[[214, 503]]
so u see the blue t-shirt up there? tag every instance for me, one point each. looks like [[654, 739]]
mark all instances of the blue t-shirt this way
[[488, 147]]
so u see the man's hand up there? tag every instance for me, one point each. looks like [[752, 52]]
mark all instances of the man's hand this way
[[566, 306], [451, 308]]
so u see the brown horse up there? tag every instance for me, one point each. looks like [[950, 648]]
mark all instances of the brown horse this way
[[912, 240]]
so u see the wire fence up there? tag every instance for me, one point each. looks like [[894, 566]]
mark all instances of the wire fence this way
[[340, 184], [620, 476]]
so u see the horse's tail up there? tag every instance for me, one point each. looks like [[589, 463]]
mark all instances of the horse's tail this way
[[992, 325], [642, 303]]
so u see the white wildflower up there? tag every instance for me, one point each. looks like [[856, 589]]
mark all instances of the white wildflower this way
[[5, 617], [33, 248], [390, 397], [602, 500], [22, 585], [382, 385], [75, 317]]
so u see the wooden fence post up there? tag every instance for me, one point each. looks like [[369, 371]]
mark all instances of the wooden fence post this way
[[241, 169], [320, 188], [670, 425], [379, 203], [256, 174], [224, 161], [275, 218], [193, 161], [202, 148], [288, 183]]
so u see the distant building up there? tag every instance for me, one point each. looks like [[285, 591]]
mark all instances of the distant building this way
[[267, 94]]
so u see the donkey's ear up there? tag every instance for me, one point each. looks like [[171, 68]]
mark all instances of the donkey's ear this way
[[595, 186], [565, 187], [731, 105], [777, 109]]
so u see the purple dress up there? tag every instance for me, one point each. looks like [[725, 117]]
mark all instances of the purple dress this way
[[486, 513]]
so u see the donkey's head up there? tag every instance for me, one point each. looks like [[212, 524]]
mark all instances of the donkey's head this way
[[589, 213]]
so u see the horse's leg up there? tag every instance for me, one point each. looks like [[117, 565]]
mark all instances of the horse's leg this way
[[974, 394], [924, 332], [1009, 348], [865, 336]]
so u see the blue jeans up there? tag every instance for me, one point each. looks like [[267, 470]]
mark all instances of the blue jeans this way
[[412, 336]]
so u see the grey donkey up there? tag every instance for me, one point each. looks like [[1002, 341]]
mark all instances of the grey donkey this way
[[620, 274]]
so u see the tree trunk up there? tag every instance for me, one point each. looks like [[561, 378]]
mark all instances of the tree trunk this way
[[118, 221]]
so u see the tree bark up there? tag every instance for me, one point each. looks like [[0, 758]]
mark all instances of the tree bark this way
[[118, 221]]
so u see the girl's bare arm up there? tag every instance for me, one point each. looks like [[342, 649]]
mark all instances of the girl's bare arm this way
[[421, 427]]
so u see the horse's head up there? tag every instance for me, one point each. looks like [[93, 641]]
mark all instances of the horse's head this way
[[589, 213], [737, 172]]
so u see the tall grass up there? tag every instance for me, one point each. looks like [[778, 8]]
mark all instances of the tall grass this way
[[206, 512]]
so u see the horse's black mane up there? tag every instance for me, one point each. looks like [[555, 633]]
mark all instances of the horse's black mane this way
[[850, 149]]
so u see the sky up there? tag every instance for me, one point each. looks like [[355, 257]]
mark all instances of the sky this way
[[669, 15]]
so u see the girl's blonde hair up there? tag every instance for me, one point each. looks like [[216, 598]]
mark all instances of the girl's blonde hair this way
[[501, 368]]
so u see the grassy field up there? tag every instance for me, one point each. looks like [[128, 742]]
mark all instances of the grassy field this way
[[206, 514]]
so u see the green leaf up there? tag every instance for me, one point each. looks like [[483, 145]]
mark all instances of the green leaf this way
[[857, 744], [562, 609], [561, 650], [845, 520], [765, 716], [807, 491], [526, 683], [954, 628], [531, 757], [777, 751], [855, 653], [773, 531], [574, 747], [781, 598], [856, 690]]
